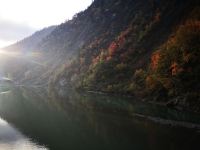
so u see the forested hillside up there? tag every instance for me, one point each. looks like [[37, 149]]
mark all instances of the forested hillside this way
[[145, 48]]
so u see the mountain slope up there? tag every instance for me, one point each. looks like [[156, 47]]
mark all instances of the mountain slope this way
[[23, 56], [31, 42], [116, 46], [132, 30]]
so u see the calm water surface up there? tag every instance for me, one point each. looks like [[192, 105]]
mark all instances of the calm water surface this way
[[30, 120]]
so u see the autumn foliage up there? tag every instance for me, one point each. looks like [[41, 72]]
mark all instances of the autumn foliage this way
[[112, 48], [155, 60], [175, 66]]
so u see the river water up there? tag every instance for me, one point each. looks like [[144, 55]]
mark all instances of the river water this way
[[31, 120]]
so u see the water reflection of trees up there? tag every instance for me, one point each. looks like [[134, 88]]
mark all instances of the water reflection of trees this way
[[82, 121]]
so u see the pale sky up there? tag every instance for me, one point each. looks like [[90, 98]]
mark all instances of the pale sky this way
[[21, 18]]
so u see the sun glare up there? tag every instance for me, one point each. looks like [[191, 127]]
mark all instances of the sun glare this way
[[7, 53], [19, 54]]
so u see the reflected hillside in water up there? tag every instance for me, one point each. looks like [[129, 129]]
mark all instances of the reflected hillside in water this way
[[91, 121]]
